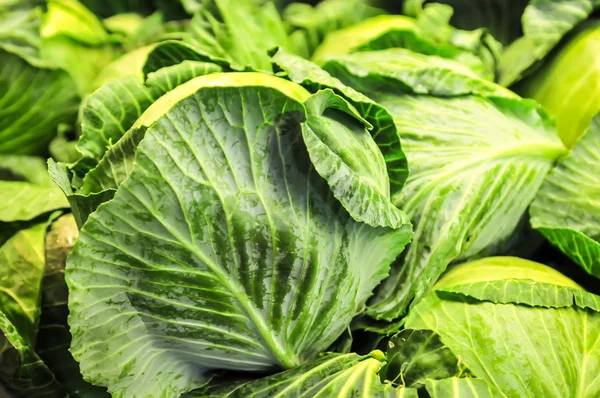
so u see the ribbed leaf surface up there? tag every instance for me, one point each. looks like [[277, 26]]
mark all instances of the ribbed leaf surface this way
[[223, 249], [462, 388], [477, 154], [523, 350], [567, 208], [343, 376]]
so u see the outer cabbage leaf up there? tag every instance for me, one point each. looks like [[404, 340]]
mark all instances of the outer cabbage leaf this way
[[384, 131], [461, 388], [222, 249], [115, 166], [347, 375], [429, 34], [376, 70], [81, 205], [503, 342], [54, 338], [501, 17], [567, 208], [173, 53], [26, 191], [345, 154], [167, 78], [530, 29], [118, 137], [545, 23], [108, 113], [223, 28], [567, 84], [477, 154], [309, 25], [22, 260]]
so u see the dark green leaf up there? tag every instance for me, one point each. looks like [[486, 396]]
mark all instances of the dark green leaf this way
[[280, 262], [172, 53], [344, 153], [81, 205], [33, 102], [109, 112], [384, 131], [417, 355], [167, 78]]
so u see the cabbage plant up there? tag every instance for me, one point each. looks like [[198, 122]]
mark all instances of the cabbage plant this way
[[528, 29], [477, 155], [247, 210], [521, 328], [430, 34], [239, 221], [309, 25]]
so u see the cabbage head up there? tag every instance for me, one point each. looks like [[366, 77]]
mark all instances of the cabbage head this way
[[521, 328]]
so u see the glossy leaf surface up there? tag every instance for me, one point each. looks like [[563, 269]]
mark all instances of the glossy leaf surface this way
[[504, 343], [414, 356], [567, 85], [280, 263], [477, 154], [567, 208]]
